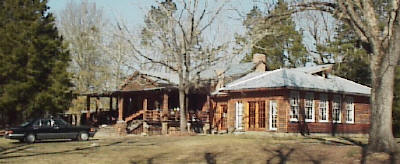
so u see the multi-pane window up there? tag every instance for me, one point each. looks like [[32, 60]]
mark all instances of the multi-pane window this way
[[349, 110], [261, 114], [294, 106], [239, 115], [323, 108], [309, 107], [336, 110], [273, 113]]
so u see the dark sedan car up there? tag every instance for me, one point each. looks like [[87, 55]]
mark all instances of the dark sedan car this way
[[49, 128]]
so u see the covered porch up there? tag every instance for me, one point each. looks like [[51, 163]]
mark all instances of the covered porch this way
[[153, 110]]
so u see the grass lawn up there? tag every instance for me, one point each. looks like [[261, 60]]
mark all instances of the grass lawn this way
[[192, 149]]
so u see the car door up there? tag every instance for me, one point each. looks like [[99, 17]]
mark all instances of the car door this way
[[64, 130], [44, 129]]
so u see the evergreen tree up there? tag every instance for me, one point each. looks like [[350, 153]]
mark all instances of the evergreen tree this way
[[33, 61], [350, 55], [283, 47]]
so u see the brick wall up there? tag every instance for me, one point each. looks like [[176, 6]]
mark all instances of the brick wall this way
[[281, 97]]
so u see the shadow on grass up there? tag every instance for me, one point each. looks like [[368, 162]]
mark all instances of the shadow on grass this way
[[23, 147], [393, 157], [148, 160], [282, 154], [210, 158]]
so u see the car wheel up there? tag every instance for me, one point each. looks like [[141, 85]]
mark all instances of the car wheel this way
[[30, 138], [83, 136]]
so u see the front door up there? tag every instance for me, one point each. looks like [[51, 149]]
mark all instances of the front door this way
[[261, 114], [273, 115], [224, 115], [252, 115]]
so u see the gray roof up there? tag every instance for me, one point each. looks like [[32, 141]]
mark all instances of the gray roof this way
[[296, 78], [230, 70], [162, 77]]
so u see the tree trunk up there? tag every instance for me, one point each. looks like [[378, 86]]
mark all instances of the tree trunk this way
[[381, 136], [182, 112], [383, 72]]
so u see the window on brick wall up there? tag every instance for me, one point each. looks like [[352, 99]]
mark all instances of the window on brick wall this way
[[273, 115], [349, 110], [294, 106], [309, 107], [323, 108], [336, 109]]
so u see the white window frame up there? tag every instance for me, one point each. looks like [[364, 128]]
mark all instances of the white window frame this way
[[294, 103], [350, 107], [336, 103], [239, 115], [271, 115], [309, 97], [323, 104]]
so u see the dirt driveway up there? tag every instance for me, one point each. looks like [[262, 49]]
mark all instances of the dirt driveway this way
[[192, 149]]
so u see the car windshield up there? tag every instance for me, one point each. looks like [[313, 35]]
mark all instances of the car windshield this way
[[26, 123]]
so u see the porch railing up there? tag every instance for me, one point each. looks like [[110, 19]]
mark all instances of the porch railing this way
[[156, 115]]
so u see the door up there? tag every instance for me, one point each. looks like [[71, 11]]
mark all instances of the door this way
[[261, 114], [64, 129], [223, 119], [239, 116], [252, 115], [273, 115], [45, 130]]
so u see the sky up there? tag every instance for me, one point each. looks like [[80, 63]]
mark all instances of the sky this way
[[132, 13]]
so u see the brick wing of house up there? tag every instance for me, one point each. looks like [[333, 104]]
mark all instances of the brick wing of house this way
[[299, 100]]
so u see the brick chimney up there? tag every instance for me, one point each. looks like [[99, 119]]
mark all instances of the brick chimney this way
[[220, 78], [260, 61]]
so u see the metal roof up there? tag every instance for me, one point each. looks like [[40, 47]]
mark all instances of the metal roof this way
[[230, 70], [296, 78]]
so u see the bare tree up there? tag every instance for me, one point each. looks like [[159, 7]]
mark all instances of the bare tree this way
[[174, 40], [121, 57], [378, 26], [82, 26]]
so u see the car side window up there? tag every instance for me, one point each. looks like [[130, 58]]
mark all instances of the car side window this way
[[46, 123], [59, 122], [37, 123]]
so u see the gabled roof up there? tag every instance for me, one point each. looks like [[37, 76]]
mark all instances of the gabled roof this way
[[296, 78], [172, 79]]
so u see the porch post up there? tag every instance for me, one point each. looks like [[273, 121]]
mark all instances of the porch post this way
[[206, 126], [121, 124], [164, 115], [87, 109], [120, 108], [145, 125]]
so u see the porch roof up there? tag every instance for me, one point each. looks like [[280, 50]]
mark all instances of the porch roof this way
[[122, 92]]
